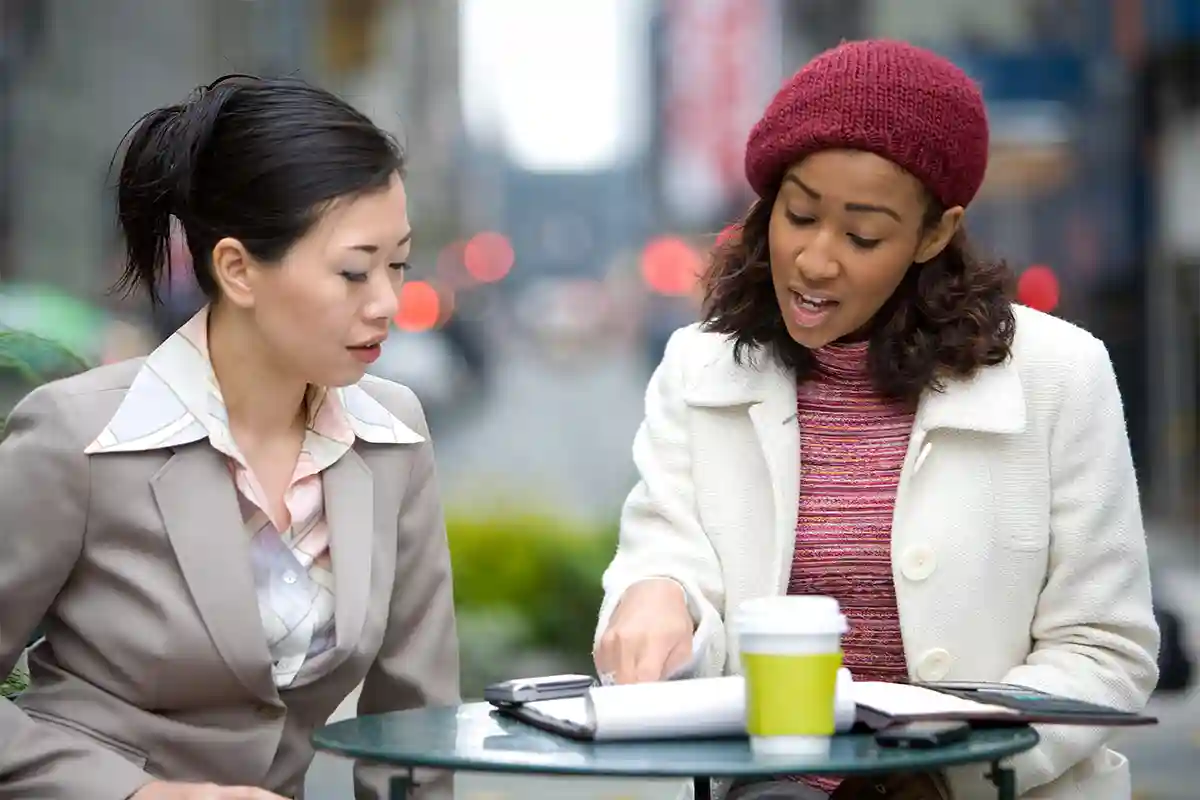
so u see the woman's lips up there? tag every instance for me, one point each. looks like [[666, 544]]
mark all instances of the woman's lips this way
[[809, 311], [366, 353]]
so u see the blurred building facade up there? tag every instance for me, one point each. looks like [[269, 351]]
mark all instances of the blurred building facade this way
[[1093, 103], [75, 74]]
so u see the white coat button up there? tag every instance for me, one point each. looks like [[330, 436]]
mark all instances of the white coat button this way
[[289, 577], [918, 562], [934, 665]]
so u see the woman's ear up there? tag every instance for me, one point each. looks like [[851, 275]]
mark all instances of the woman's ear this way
[[233, 269], [936, 238]]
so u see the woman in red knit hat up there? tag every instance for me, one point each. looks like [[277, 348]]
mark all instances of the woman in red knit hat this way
[[865, 413]]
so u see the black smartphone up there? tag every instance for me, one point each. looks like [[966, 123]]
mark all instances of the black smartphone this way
[[923, 735]]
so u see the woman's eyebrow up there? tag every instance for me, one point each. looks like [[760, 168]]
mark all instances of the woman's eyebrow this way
[[372, 249], [855, 207]]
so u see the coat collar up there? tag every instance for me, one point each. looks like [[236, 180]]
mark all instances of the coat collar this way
[[174, 400], [990, 401]]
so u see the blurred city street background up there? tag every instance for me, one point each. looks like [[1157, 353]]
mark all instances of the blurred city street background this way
[[570, 163]]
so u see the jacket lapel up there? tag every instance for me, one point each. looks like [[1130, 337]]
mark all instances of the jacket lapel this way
[[349, 511], [778, 432], [768, 392], [200, 510]]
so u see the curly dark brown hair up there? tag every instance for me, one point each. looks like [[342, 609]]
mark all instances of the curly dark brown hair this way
[[947, 318]]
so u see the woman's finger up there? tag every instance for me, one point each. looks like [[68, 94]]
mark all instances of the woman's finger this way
[[651, 662]]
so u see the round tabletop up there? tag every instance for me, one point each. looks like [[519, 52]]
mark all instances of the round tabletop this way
[[475, 737]]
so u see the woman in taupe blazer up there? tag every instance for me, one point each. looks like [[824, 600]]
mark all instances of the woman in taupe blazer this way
[[224, 539]]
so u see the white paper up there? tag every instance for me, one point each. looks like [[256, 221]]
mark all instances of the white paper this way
[[679, 709], [665, 710], [904, 700]]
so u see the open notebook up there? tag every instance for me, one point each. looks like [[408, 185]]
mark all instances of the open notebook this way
[[715, 708], [697, 708]]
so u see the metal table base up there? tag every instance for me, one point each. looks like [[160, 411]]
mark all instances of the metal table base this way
[[401, 786]]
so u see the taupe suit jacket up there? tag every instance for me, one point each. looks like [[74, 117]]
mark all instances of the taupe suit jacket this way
[[155, 662]]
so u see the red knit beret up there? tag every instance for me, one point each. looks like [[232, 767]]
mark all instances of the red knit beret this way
[[907, 104]]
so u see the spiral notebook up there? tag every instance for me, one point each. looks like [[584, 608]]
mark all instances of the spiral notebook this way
[[696, 708]]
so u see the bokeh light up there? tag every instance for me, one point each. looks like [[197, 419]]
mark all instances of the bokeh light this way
[[420, 307], [671, 266], [488, 257], [1038, 288]]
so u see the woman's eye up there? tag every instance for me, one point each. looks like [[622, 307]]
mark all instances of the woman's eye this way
[[797, 219], [865, 244], [400, 266], [355, 277]]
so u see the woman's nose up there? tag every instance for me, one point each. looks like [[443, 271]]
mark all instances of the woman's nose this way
[[385, 300], [815, 261]]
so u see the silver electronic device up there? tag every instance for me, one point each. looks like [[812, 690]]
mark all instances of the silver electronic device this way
[[529, 690]]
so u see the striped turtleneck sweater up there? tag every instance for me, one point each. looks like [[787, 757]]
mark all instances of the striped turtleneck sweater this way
[[852, 446]]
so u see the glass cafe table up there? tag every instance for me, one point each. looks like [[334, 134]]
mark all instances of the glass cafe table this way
[[474, 738]]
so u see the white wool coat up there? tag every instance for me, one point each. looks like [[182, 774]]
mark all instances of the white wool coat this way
[[1018, 551]]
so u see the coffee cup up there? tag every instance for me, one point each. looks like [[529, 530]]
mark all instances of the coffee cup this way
[[790, 649]]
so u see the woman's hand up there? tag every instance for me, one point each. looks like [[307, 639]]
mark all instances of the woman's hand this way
[[163, 790], [649, 635]]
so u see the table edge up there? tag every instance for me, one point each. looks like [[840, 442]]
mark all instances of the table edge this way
[[501, 767]]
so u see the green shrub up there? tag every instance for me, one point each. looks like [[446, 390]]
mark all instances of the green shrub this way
[[34, 359], [14, 684], [527, 589]]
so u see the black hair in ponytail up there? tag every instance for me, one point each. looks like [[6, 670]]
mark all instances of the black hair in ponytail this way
[[249, 158]]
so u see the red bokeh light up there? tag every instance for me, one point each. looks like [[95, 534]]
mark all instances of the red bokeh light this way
[[420, 307], [671, 266], [1038, 288], [488, 257]]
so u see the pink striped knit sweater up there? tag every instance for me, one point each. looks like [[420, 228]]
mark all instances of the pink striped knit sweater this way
[[852, 446]]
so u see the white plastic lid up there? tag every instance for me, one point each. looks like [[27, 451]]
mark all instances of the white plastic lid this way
[[791, 614]]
